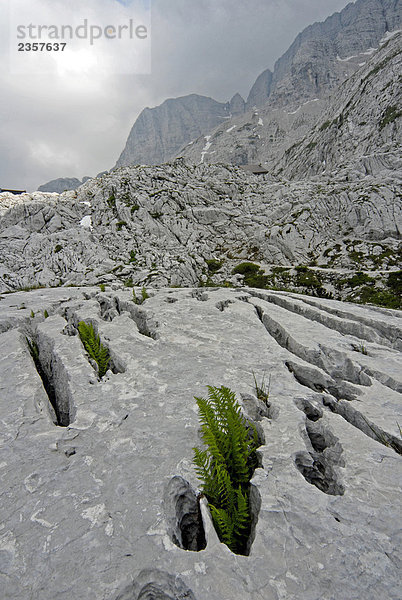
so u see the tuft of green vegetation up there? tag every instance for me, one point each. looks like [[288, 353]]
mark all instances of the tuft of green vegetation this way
[[246, 268], [45, 314], [358, 279], [129, 282], [214, 265], [311, 145], [389, 116], [144, 296], [394, 282], [33, 350], [226, 465], [360, 348], [325, 125], [262, 389], [111, 201], [120, 225], [57, 248], [102, 287], [133, 257], [384, 298], [32, 315], [134, 208], [253, 275], [92, 344], [307, 278]]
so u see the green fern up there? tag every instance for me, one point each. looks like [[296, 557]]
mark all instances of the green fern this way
[[92, 344], [226, 466]]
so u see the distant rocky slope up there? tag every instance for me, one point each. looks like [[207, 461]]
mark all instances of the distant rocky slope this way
[[360, 130], [104, 504], [180, 224], [359, 124], [318, 61], [62, 184], [159, 133]]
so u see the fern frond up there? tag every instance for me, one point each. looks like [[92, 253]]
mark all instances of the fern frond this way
[[223, 525], [227, 494], [226, 465], [92, 344]]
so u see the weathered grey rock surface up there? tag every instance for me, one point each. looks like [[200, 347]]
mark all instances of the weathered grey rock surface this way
[[159, 225], [360, 131], [159, 133], [357, 129], [62, 184], [320, 59], [93, 509]]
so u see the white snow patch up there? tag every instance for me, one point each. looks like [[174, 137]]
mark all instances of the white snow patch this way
[[86, 203], [260, 121], [346, 59], [230, 129], [370, 51], [388, 35], [206, 148], [86, 222], [362, 64], [304, 104]]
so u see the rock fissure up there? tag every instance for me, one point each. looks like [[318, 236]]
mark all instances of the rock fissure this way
[[45, 367], [319, 465]]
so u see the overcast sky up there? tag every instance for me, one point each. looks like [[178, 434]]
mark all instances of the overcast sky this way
[[75, 122]]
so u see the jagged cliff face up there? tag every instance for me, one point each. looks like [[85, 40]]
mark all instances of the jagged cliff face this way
[[359, 132], [159, 133], [357, 128], [319, 60], [325, 54]]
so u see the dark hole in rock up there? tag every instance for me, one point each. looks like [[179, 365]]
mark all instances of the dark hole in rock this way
[[318, 465], [183, 515], [317, 470], [59, 404], [153, 584], [313, 413], [255, 506]]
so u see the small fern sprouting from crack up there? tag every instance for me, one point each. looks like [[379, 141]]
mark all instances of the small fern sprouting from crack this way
[[226, 466], [92, 344]]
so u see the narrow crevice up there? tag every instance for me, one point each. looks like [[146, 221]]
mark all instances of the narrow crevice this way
[[59, 403], [98, 353], [319, 381], [146, 325], [318, 465], [355, 418], [183, 515], [334, 319]]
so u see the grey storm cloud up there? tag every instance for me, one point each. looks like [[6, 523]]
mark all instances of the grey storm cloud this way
[[75, 126]]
